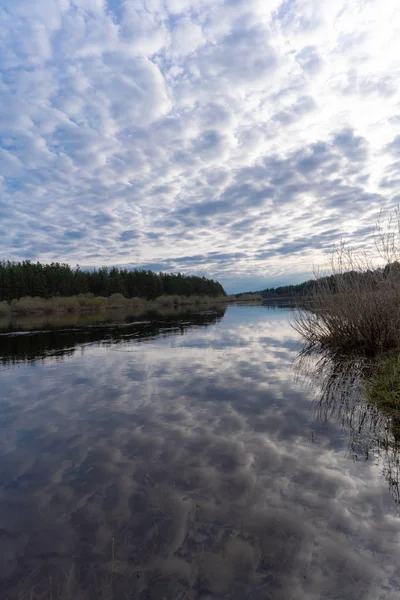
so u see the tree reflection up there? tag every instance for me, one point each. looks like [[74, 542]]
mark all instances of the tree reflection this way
[[34, 340]]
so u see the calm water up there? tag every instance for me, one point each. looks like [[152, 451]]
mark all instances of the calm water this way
[[187, 458]]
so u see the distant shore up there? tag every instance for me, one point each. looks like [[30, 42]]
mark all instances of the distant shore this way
[[89, 303]]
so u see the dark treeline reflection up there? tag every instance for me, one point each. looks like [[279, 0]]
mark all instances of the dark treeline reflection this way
[[33, 339], [341, 397]]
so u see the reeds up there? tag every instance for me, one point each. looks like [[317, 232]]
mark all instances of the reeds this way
[[88, 302], [355, 308]]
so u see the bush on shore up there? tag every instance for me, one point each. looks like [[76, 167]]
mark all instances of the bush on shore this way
[[356, 309], [358, 318], [89, 302], [4, 308], [249, 298], [31, 305], [189, 300]]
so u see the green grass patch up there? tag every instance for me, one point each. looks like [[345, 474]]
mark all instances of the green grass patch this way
[[383, 389]]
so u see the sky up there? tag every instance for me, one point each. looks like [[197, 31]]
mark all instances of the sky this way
[[234, 139]]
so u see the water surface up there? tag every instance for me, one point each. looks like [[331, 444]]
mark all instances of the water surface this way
[[179, 458]]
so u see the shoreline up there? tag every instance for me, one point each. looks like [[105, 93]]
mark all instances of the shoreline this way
[[58, 305]]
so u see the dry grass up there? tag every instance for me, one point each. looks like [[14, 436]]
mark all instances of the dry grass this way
[[355, 308], [249, 298], [87, 302], [5, 308], [359, 318]]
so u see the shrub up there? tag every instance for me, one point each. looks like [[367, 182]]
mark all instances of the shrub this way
[[90, 302], [4, 308], [249, 298], [136, 302], [117, 301], [166, 300], [356, 309], [175, 300], [357, 318], [69, 303], [27, 304]]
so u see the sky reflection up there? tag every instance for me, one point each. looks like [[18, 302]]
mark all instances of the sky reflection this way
[[187, 466]]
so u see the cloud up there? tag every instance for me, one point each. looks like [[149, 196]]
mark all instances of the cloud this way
[[128, 235], [293, 113], [182, 119], [309, 60], [394, 145]]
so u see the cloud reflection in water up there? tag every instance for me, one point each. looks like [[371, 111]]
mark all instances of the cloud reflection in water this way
[[187, 466]]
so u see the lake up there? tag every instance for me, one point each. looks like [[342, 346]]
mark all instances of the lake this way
[[188, 457]]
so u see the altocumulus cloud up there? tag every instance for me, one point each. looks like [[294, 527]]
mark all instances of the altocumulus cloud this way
[[228, 138]]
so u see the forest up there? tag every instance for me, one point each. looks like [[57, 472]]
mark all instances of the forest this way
[[284, 292], [19, 279], [334, 282]]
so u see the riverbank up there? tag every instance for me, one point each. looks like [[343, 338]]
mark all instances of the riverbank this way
[[13, 322], [87, 303], [383, 389], [351, 316], [360, 326]]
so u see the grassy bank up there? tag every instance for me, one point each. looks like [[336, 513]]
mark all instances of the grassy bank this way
[[383, 390], [249, 297], [355, 310], [352, 316], [354, 321], [354, 307], [359, 329], [58, 320], [88, 302]]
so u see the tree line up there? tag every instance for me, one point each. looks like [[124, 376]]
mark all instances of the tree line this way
[[334, 282], [284, 291], [19, 279]]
